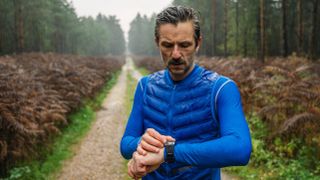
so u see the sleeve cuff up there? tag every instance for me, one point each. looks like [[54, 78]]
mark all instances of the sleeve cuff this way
[[138, 140]]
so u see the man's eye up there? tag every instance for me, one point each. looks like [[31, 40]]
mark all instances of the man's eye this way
[[185, 45], [167, 45]]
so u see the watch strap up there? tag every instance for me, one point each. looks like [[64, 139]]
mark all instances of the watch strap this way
[[169, 145]]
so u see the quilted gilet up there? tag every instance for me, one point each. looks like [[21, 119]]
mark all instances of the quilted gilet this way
[[184, 110]]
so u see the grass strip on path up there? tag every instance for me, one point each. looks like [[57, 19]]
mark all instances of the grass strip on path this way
[[143, 71], [131, 87]]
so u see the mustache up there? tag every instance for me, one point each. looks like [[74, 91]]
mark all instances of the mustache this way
[[176, 61]]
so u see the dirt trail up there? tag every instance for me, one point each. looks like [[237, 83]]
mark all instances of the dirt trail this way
[[134, 73], [98, 157]]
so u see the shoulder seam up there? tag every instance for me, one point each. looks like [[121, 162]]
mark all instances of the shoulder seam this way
[[217, 94], [141, 86]]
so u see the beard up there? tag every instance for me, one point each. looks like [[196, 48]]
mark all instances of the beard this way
[[179, 61], [179, 67]]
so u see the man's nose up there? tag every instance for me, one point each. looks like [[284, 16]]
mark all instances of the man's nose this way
[[176, 54]]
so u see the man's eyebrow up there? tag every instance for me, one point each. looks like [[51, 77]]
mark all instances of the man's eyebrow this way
[[186, 41], [166, 41], [179, 42]]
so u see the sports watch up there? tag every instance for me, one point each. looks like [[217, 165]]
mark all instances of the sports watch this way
[[169, 145]]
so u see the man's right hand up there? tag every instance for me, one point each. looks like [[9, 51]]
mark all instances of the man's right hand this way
[[140, 165], [152, 141]]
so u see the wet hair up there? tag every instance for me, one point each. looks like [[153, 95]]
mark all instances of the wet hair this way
[[175, 15]]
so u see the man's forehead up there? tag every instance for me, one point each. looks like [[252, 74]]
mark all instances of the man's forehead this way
[[180, 31]]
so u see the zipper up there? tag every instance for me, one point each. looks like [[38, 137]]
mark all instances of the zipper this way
[[170, 115], [169, 126]]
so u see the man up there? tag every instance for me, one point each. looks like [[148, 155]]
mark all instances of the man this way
[[186, 122]]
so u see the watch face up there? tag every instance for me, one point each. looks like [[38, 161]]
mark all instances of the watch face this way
[[169, 143]]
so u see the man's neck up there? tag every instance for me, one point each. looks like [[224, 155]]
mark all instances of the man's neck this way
[[176, 78]]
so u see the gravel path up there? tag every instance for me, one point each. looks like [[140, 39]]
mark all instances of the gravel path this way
[[98, 157]]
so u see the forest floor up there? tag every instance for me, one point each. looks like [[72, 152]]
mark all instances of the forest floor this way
[[97, 156]]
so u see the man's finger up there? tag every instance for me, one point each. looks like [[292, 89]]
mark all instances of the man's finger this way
[[130, 172], [152, 140], [139, 172], [148, 147], [155, 134], [141, 169], [169, 138], [141, 151]]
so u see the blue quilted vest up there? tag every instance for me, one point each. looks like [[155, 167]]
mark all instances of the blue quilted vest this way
[[184, 110]]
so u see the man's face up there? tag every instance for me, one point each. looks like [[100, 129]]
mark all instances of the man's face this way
[[177, 48]]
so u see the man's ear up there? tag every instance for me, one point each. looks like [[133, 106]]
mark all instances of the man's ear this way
[[199, 43]]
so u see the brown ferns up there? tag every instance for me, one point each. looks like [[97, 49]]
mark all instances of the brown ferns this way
[[37, 91], [285, 92], [152, 64]]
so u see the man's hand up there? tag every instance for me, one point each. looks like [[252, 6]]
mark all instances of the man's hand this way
[[136, 170], [150, 159], [152, 141], [140, 165], [149, 154]]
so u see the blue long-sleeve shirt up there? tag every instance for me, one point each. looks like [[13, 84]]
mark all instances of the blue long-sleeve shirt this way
[[233, 147]]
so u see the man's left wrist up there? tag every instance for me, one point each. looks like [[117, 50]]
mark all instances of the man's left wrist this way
[[163, 154]]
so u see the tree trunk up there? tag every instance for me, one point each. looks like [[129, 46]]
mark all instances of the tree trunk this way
[[262, 33], [0, 35], [313, 42], [244, 13], [19, 32], [245, 43], [1, 30], [225, 28], [237, 28], [214, 15], [300, 27], [284, 29]]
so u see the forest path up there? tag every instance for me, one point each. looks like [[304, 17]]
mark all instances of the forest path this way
[[98, 157]]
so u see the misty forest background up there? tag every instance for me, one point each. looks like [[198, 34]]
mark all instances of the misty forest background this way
[[230, 28], [269, 47], [245, 28], [53, 26]]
